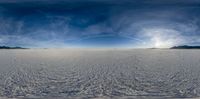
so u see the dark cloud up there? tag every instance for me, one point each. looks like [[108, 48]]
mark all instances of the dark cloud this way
[[135, 23]]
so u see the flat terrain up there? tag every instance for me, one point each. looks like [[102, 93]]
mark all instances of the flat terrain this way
[[72, 73]]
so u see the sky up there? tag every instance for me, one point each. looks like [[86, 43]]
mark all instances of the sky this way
[[99, 23]]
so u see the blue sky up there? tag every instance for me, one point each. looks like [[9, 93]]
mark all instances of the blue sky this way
[[99, 23]]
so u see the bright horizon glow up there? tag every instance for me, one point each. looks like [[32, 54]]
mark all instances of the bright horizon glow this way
[[162, 44], [162, 37]]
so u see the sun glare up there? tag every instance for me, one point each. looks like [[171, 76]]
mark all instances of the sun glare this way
[[159, 43]]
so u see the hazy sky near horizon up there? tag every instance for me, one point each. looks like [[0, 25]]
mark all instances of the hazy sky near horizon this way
[[99, 23]]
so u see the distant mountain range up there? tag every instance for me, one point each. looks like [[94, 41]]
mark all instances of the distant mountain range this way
[[175, 47], [8, 47], [185, 47]]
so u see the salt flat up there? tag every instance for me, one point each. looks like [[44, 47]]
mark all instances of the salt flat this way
[[104, 73]]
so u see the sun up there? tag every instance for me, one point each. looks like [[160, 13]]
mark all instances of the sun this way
[[161, 43], [158, 44], [162, 37]]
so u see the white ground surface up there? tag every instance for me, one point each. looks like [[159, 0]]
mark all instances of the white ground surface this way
[[73, 73]]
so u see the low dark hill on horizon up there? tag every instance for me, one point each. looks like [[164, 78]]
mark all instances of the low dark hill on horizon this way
[[8, 47], [185, 47], [175, 47]]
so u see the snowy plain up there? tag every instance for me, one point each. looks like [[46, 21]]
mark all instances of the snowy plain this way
[[100, 73]]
